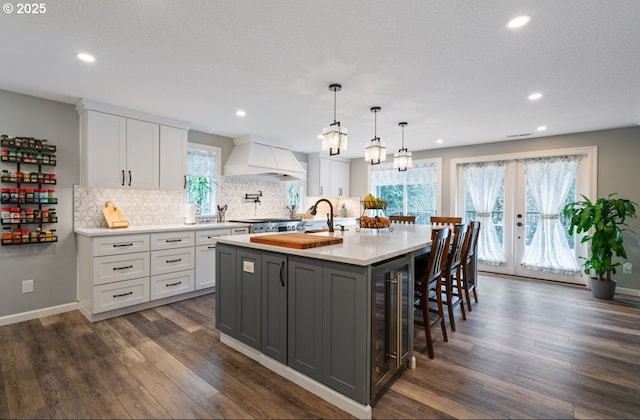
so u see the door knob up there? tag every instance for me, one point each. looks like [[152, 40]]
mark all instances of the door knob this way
[[519, 224]]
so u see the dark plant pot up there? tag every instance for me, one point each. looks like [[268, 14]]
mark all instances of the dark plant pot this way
[[603, 289]]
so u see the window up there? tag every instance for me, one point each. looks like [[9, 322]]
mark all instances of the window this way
[[295, 193], [203, 171], [414, 192]]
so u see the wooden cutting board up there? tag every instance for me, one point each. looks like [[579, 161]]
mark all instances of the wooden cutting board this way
[[296, 240]]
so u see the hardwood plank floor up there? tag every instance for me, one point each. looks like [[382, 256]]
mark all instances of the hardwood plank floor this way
[[529, 349]]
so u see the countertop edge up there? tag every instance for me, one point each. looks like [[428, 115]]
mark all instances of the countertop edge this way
[[131, 230]]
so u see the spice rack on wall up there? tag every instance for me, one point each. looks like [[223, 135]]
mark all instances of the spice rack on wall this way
[[27, 202]]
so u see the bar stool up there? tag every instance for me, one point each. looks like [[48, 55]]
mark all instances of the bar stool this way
[[452, 289], [403, 219], [429, 285], [466, 274]]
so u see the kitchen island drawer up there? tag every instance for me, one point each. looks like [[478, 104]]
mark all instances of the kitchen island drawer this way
[[171, 284], [120, 244], [209, 237], [115, 268], [172, 260], [107, 297], [172, 240]]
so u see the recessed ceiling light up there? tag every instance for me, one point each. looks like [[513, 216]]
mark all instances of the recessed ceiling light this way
[[213, 129], [518, 21], [542, 128], [535, 96], [439, 141], [86, 57], [240, 113]]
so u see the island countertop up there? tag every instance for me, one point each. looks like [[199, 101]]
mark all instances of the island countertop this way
[[366, 247]]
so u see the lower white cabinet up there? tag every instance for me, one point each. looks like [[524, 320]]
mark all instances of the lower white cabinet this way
[[205, 266], [121, 273], [107, 297], [165, 285]]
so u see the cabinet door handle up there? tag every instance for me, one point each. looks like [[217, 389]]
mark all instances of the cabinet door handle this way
[[211, 247], [185, 182], [121, 245], [173, 284], [122, 268], [172, 261], [130, 178], [123, 177], [282, 274], [173, 240], [320, 189], [123, 294]]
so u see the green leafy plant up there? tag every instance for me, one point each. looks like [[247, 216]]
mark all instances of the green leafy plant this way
[[199, 187], [601, 221]]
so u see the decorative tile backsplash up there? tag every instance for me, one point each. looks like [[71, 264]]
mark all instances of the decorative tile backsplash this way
[[139, 207], [153, 207]]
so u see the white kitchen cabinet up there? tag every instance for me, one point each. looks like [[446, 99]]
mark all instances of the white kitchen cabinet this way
[[119, 152], [328, 177], [206, 256], [173, 158]]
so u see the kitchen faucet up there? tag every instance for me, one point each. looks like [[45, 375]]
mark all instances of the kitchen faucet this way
[[313, 209]]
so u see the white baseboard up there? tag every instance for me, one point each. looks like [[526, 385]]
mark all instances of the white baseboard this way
[[627, 292], [37, 313], [333, 397]]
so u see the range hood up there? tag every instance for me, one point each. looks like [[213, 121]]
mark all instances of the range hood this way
[[254, 156]]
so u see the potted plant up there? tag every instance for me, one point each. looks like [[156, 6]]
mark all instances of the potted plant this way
[[601, 221], [199, 186]]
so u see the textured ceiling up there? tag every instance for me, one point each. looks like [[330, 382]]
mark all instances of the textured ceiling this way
[[449, 67]]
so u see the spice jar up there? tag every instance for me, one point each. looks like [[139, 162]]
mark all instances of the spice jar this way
[[15, 214], [52, 196], [5, 176], [30, 216], [53, 215], [22, 195], [6, 215], [26, 236], [6, 235], [28, 195], [6, 195], [17, 236], [44, 196], [13, 195], [44, 215]]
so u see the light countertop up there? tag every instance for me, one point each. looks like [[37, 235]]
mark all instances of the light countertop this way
[[155, 229], [366, 247]]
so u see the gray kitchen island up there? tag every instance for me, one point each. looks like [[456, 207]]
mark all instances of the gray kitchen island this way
[[336, 320]]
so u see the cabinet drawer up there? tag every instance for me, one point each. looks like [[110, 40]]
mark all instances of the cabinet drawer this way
[[172, 260], [107, 297], [171, 284], [120, 244], [208, 237], [114, 268], [171, 240]]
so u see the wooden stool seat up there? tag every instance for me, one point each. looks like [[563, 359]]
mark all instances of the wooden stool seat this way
[[403, 219]]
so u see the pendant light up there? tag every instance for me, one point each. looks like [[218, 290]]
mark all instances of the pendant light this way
[[402, 159], [376, 152], [334, 137]]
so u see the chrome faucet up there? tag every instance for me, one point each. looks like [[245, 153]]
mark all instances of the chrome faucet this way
[[313, 209]]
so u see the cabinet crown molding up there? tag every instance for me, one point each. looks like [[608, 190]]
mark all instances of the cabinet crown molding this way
[[87, 104]]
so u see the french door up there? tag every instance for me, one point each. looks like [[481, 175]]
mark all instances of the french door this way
[[518, 236]]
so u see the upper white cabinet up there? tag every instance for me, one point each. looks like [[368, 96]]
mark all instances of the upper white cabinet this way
[[173, 158], [328, 176], [121, 148]]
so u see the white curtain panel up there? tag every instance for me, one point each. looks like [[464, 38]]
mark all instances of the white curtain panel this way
[[419, 173], [549, 181], [483, 181]]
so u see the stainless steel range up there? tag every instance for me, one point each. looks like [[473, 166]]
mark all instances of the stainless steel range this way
[[273, 225]]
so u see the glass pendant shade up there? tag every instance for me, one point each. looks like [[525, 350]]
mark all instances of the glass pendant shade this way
[[402, 159], [376, 152], [334, 137]]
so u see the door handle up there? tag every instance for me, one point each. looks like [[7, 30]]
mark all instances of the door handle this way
[[185, 183], [130, 178], [519, 224], [123, 177]]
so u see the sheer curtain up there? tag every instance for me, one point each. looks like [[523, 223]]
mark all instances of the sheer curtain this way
[[549, 181], [483, 182]]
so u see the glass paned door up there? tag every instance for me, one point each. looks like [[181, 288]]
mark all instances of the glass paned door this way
[[525, 233]]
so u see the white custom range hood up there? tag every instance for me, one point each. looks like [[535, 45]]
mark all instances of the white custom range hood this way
[[254, 156]]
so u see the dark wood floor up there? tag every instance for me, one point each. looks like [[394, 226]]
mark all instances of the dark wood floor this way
[[528, 350]]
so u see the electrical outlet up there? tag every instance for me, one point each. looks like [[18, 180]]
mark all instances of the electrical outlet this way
[[627, 268], [27, 286]]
